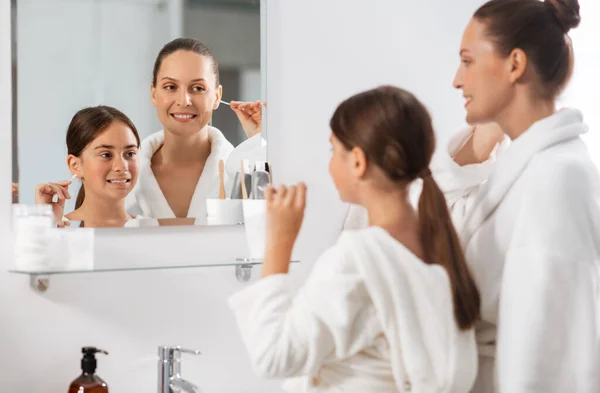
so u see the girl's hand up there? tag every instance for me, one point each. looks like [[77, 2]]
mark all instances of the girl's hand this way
[[44, 195]]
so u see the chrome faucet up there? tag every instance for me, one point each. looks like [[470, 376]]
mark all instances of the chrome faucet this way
[[169, 371]]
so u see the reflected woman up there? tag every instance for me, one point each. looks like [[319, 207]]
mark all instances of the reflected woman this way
[[179, 165]]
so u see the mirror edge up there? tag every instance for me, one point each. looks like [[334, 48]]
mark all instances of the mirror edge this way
[[14, 81], [263, 68]]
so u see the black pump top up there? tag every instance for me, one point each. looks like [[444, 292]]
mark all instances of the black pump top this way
[[88, 362]]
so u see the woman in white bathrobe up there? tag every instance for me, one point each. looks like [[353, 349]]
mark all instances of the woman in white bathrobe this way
[[530, 223], [180, 164], [389, 308], [528, 212], [102, 146]]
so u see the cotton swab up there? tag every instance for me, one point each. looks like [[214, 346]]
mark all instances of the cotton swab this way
[[228, 104]]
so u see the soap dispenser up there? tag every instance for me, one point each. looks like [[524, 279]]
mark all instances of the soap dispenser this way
[[88, 381]]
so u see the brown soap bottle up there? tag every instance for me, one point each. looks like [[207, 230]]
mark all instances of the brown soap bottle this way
[[88, 381]]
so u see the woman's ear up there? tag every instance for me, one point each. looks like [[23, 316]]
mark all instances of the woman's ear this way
[[517, 64], [74, 164], [218, 97]]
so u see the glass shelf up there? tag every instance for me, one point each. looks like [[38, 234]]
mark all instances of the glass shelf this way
[[40, 278], [238, 262]]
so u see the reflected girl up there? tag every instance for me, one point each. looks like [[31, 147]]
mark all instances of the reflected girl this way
[[102, 145]]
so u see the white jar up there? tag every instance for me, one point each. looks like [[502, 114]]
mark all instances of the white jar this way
[[32, 225]]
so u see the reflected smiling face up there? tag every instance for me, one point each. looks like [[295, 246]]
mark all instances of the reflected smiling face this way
[[186, 92], [109, 165]]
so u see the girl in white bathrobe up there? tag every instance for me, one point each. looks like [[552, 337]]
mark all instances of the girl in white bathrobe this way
[[102, 146], [180, 164], [388, 308]]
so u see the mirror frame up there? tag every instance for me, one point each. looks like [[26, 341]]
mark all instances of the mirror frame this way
[[14, 67]]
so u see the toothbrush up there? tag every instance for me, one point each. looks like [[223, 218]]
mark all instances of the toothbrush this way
[[221, 180], [243, 180]]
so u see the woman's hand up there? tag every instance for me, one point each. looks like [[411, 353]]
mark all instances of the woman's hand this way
[[250, 116], [44, 195], [15, 190], [285, 213], [480, 145]]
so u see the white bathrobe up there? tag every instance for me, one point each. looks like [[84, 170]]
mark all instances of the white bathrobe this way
[[372, 317], [529, 222], [133, 223], [147, 198]]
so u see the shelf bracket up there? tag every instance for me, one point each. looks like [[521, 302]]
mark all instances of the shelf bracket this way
[[39, 282], [243, 272]]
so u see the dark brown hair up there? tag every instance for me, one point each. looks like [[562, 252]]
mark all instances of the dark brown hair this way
[[86, 126], [540, 30], [395, 131], [188, 45]]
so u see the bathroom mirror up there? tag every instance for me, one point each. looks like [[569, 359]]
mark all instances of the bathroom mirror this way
[[74, 54]]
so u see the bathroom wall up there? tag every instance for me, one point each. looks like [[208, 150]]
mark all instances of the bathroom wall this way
[[319, 52], [583, 92]]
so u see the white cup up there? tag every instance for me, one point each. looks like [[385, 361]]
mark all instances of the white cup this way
[[224, 211], [255, 222]]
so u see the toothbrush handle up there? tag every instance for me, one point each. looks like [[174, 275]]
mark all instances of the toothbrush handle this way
[[243, 180], [221, 188]]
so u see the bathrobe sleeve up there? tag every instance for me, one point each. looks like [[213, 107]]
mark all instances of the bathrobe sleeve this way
[[461, 184], [331, 317], [548, 330]]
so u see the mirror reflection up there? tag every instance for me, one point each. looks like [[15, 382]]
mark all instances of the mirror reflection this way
[[131, 128]]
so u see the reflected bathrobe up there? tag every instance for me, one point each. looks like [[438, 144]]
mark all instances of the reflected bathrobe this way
[[148, 200]]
